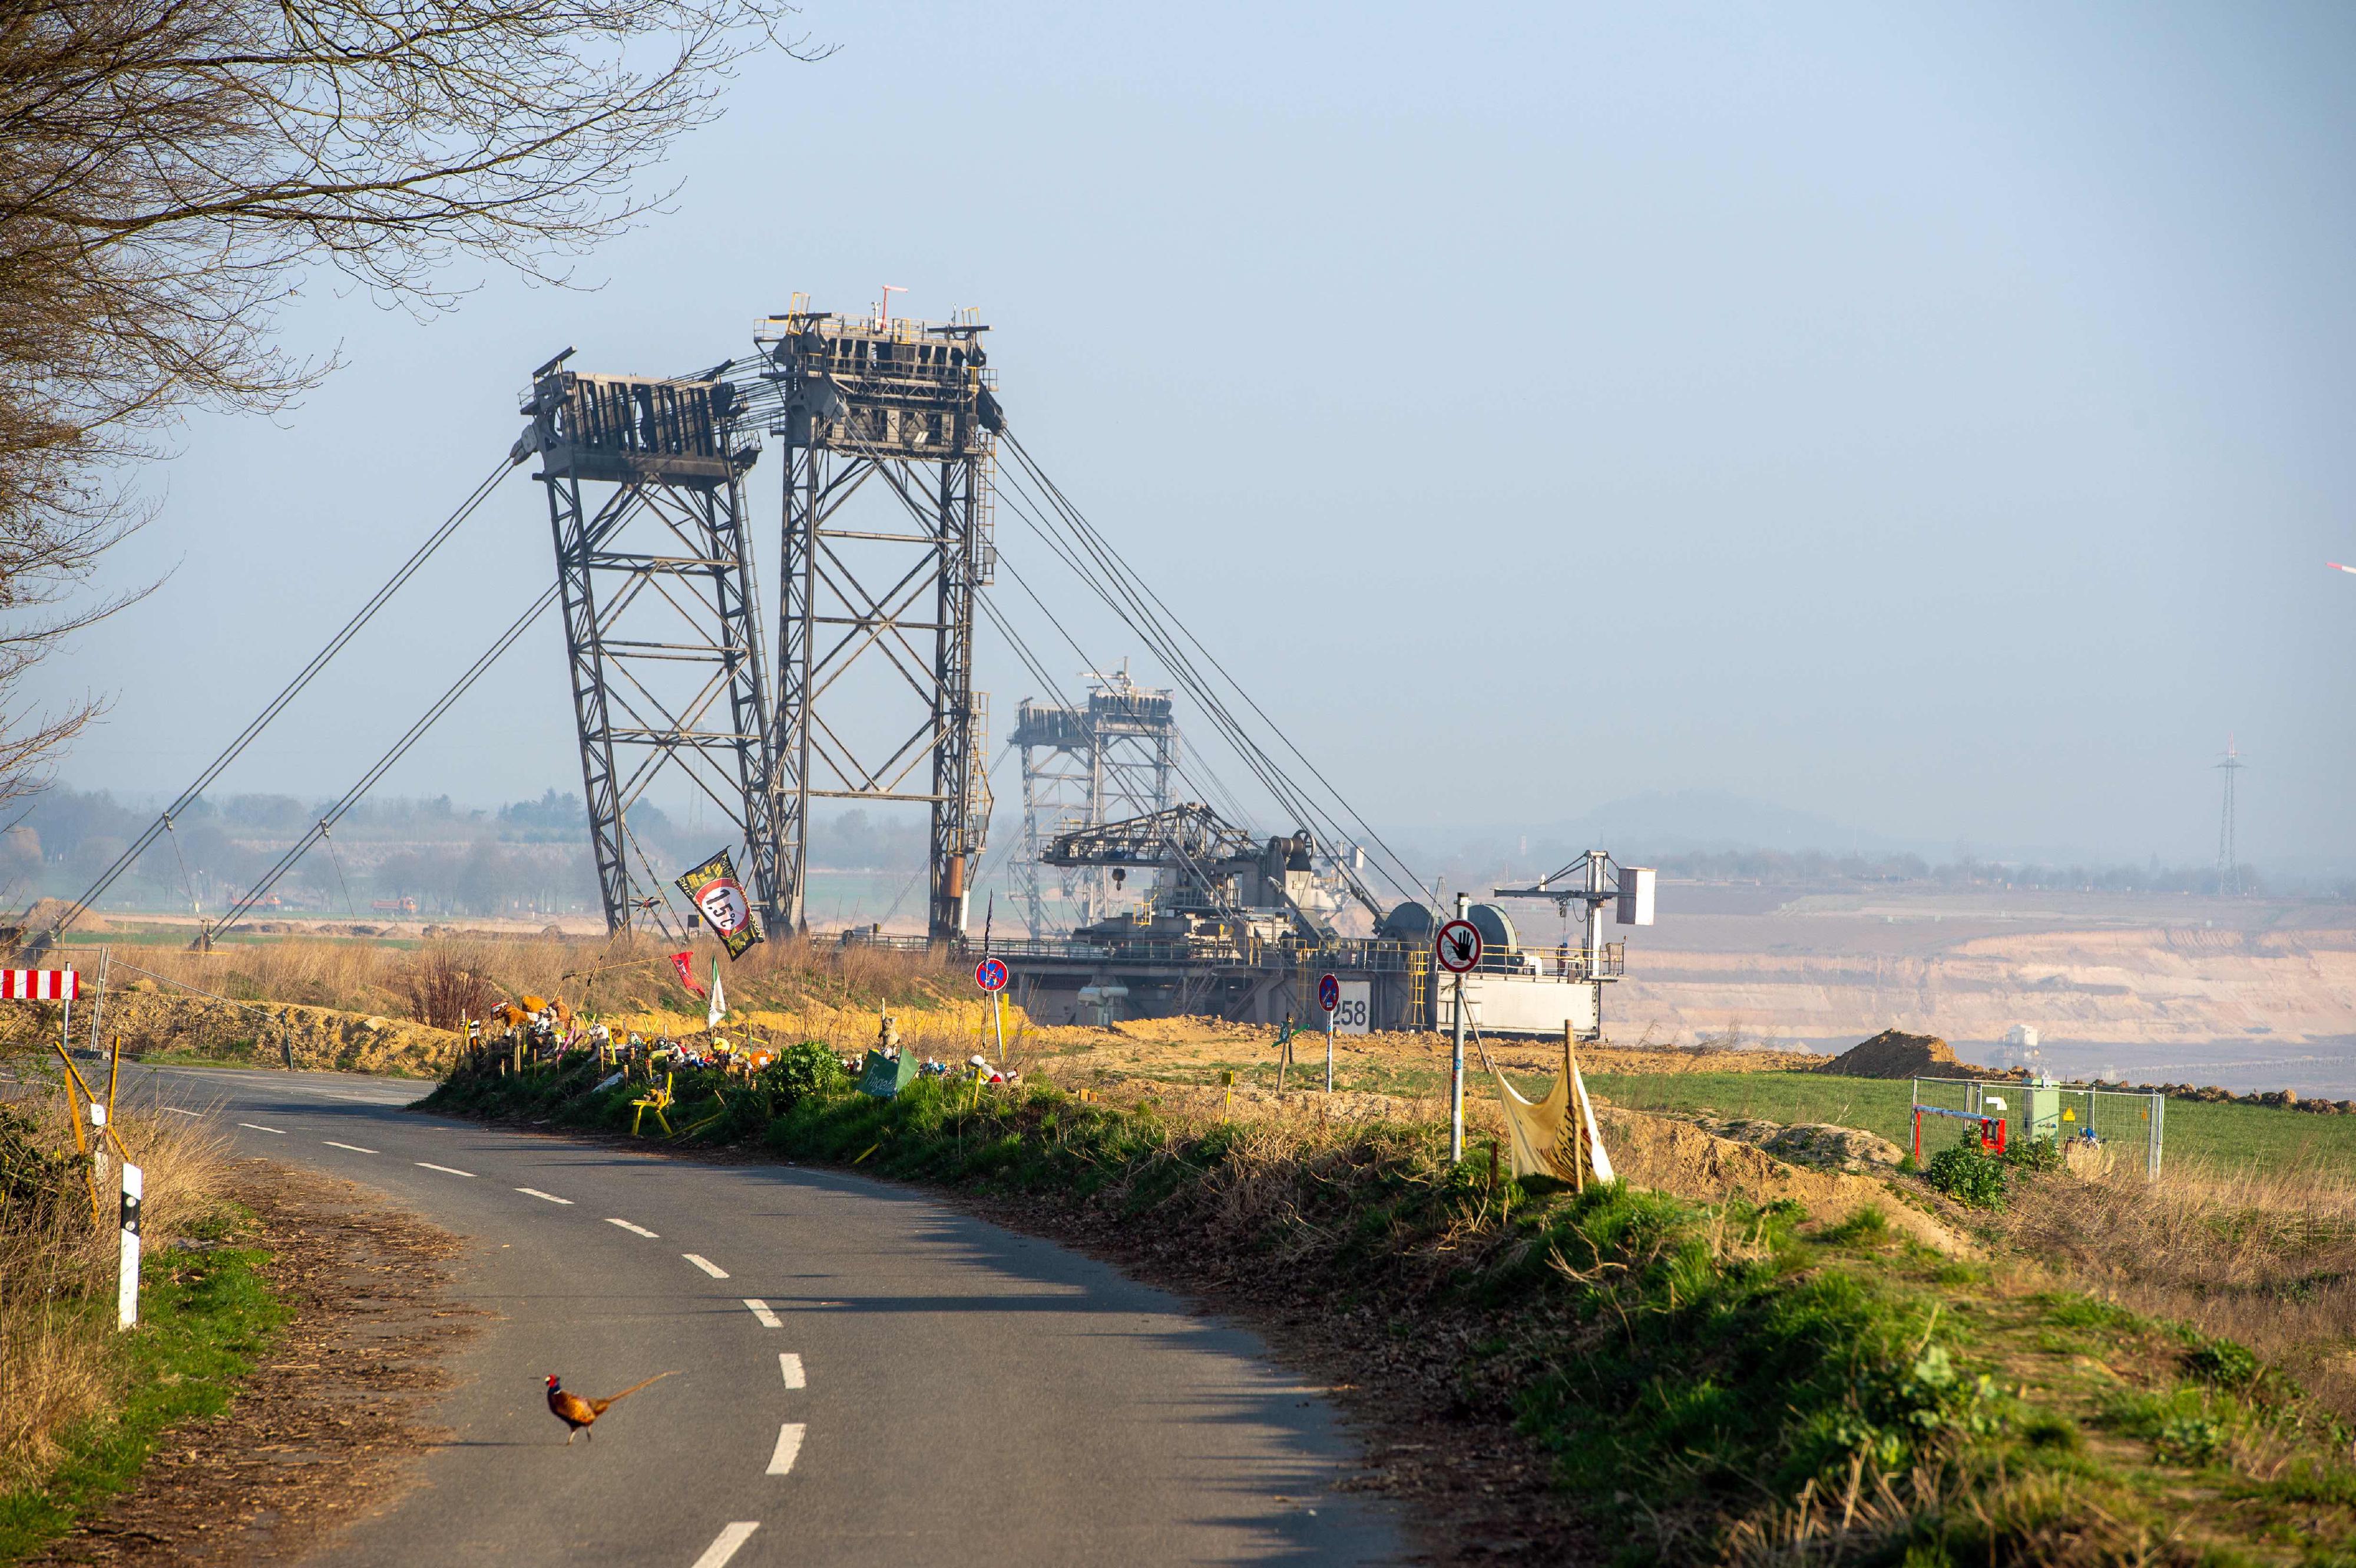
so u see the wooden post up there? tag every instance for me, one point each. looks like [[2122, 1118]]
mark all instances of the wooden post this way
[[1580, 1153], [81, 1144]]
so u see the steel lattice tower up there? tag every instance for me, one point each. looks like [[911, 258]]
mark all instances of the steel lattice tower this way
[[660, 622], [2229, 860], [875, 699], [1085, 766]]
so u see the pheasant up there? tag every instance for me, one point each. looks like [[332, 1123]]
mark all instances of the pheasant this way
[[576, 1412]]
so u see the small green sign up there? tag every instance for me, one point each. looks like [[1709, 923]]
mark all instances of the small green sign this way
[[884, 1077]]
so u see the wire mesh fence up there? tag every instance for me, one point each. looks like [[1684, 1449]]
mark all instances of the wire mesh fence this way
[[1948, 1111]]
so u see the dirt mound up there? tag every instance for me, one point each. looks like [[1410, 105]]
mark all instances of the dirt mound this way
[[1820, 1144], [47, 912], [1682, 1158], [1891, 1054], [320, 1037]]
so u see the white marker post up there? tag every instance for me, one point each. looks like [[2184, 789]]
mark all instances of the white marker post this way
[[98, 1143], [127, 1289]]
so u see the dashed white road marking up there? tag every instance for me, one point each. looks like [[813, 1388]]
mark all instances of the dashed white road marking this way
[[446, 1170], [706, 1264], [258, 1127], [177, 1111], [635, 1230], [760, 1311], [726, 1544], [353, 1147], [791, 1365], [550, 1196], [790, 1448]]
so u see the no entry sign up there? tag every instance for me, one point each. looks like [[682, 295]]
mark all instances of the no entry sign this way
[[1329, 991], [990, 974], [1457, 947]]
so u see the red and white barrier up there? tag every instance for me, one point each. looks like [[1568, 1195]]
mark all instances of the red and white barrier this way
[[40, 984]]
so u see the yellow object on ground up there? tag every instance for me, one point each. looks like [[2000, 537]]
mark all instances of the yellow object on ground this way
[[1555, 1136], [657, 1101]]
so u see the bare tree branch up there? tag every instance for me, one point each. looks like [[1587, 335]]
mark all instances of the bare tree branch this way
[[169, 168]]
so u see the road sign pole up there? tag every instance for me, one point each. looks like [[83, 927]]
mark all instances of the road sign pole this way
[[1456, 1064], [1458, 949], [1329, 1050], [1456, 1083], [998, 1025]]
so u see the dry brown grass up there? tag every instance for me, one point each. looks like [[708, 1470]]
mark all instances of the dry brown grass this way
[[2264, 1256], [57, 1278], [449, 973]]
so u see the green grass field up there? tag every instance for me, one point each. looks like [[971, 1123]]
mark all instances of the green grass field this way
[[2221, 1135]]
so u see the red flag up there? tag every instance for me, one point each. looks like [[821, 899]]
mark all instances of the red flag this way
[[685, 964]]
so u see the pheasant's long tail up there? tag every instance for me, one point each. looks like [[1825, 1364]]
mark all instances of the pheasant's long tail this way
[[605, 1404]]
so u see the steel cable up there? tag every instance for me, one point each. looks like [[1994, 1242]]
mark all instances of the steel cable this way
[[277, 705], [1080, 525], [1149, 616], [383, 765]]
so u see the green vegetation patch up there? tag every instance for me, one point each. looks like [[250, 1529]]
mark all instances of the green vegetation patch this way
[[205, 1317]]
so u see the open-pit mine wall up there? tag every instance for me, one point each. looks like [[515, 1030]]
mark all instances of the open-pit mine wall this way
[[2158, 987]]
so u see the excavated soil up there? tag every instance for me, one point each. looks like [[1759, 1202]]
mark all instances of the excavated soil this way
[[321, 1038], [330, 1425], [1684, 1158], [1891, 1054]]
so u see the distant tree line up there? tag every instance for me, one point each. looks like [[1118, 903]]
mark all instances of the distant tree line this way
[[527, 857], [1968, 872]]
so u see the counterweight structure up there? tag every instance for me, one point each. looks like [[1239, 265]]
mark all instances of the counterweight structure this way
[[875, 699], [1082, 767], [644, 478]]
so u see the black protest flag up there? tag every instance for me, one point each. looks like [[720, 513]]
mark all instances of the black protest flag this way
[[713, 889]]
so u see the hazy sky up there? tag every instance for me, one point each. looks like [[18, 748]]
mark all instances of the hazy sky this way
[[1934, 418]]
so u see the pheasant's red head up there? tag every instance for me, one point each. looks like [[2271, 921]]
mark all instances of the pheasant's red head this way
[[551, 1379]]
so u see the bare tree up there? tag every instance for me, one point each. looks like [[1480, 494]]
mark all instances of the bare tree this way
[[170, 169]]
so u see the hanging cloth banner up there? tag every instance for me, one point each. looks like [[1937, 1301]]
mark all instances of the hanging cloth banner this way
[[685, 964], [1555, 1136], [719, 1009], [713, 889]]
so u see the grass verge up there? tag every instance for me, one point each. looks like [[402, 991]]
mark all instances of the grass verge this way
[[204, 1317]]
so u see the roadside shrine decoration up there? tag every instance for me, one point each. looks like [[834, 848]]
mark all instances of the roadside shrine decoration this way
[[713, 889], [1555, 1136]]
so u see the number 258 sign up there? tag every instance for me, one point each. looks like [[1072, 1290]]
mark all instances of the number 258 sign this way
[[1350, 1015]]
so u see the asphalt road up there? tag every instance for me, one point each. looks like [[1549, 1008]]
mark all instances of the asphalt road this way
[[865, 1376]]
